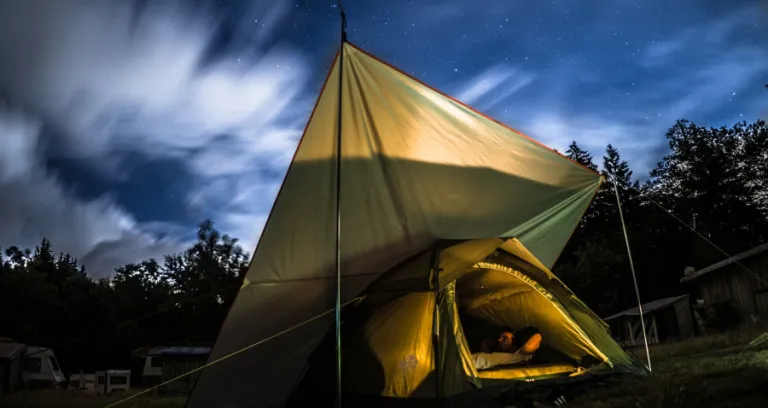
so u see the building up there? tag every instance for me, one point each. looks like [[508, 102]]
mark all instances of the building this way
[[11, 365], [740, 282], [163, 363], [668, 319]]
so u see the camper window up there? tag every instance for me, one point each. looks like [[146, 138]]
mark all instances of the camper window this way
[[157, 362], [118, 380], [32, 364], [54, 363]]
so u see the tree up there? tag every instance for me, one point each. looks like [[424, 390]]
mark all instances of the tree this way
[[184, 299], [599, 276], [754, 166], [580, 156], [704, 182], [213, 266], [596, 258]]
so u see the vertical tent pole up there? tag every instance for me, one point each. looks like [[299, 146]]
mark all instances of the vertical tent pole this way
[[436, 319], [632, 268], [343, 39]]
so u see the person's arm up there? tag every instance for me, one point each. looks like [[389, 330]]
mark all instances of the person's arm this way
[[531, 345]]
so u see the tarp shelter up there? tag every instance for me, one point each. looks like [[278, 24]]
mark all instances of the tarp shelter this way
[[427, 184]]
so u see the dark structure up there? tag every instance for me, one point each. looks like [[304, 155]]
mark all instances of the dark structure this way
[[667, 319], [726, 285], [11, 358], [163, 363]]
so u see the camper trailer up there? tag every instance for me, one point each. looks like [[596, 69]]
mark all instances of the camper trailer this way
[[162, 363], [82, 382], [41, 369], [108, 381], [28, 366]]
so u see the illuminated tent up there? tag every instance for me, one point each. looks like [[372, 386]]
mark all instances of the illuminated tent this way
[[425, 181]]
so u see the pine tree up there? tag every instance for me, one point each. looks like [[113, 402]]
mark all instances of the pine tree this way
[[580, 156]]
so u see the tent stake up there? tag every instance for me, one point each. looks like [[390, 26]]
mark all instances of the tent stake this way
[[632, 268], [343, 39]]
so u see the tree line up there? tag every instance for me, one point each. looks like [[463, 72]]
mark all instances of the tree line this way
[[50, 300], [713, 179]]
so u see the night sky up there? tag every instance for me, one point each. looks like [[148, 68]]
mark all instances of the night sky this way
[[124, 124]]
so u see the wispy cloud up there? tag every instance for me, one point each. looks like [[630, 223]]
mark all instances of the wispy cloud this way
[[659, 52], [112, 78], [634, 114], [700, 39], [493, 86], [36, 204]]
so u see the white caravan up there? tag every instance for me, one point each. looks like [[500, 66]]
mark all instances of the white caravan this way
[[41, 369]]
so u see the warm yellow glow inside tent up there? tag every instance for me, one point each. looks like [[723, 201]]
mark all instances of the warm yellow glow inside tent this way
[[508, 298], [496, 281], [390, 348]]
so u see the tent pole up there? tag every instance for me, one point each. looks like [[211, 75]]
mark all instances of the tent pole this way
[[632, 268], [343, 39], [436, 319]]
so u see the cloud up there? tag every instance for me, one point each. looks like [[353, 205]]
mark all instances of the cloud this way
[[112, 75], [659, 51], [593, 133], [111, 78], [493, 86], [100, 81], [35, 205], [636, 128], [699, 39], [690, 76]]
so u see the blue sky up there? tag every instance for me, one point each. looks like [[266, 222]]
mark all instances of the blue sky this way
[[123, 124]]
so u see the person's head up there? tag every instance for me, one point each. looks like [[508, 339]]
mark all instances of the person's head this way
[[506, 339]]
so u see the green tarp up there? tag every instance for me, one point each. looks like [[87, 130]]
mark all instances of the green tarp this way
[[417, 168]]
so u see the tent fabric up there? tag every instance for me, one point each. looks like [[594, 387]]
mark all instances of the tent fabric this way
[[394, 344], [456, 368], [508, 298], [389, 351], [522, 373], [592, 326], [417, 168], [415, 274]]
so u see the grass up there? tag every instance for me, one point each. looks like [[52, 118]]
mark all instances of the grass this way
[[705, 372], [75, 399], [711, 371]]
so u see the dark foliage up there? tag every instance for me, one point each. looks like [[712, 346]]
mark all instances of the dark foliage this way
[[51, 301], [713, 179]]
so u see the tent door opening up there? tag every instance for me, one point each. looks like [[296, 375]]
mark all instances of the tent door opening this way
[[493, 300]]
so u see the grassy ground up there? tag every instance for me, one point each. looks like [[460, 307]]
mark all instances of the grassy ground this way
[[712, 371], [72, 399], [705, 372]]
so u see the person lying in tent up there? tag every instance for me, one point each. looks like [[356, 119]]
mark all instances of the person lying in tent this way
[[508, 349]]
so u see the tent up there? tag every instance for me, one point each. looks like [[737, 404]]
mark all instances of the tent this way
[[430, 192]]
